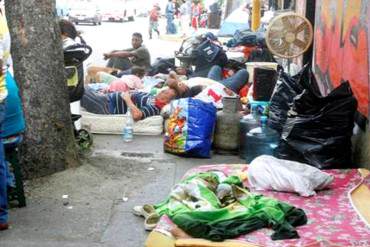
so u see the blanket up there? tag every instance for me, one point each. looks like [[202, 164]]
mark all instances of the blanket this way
[[332, 215]]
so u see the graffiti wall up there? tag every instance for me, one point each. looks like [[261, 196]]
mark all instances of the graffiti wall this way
[[341, 47]]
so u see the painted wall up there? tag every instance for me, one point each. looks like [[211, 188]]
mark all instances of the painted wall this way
[[341, 47], [341, 52]]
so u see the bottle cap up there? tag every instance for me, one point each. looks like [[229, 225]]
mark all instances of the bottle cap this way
[[263, 119]]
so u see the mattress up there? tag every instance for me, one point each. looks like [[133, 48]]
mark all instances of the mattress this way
[[113, 124], [339, 216]]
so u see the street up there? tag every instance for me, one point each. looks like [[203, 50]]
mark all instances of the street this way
[[110, 182], [114, 36]]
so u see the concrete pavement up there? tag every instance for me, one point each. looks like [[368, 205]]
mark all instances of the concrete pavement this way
[[96, 214]]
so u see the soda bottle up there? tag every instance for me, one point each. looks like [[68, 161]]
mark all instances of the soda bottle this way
[[128, 130]]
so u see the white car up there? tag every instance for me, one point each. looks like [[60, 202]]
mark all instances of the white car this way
[[85, 14], [118, 14]]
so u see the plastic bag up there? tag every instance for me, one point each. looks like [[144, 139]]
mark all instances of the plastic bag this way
[[318, 130], [286, 89], [247, 38], [269, 173], [189, 128]]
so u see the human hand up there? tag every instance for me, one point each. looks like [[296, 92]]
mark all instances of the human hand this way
[[107, 56], [172, 75], [229, 91], [126, 96]]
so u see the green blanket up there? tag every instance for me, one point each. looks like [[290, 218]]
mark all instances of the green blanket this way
[[214, 206]]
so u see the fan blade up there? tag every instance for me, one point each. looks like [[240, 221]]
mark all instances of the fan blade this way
[[276, 35], [300, 28], [299, 43], [281, 48], [286, 22]]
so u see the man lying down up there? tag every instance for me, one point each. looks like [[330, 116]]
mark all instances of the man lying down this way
[[143, 105]]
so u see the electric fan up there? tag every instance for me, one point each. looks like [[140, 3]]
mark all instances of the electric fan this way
[[289, 35]]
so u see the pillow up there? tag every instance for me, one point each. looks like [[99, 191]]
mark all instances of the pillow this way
[[269, 173]]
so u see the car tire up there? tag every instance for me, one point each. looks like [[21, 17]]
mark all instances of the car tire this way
[[131, 18], [76, 22]]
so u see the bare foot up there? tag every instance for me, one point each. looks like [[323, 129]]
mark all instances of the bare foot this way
[[178, 233]]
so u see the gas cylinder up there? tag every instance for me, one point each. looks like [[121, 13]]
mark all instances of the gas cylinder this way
[[226, 138]]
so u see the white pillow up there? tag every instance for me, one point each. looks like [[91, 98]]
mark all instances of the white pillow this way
[[269, 173]]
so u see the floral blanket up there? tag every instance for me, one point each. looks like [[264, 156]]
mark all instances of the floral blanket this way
[[332, 220]]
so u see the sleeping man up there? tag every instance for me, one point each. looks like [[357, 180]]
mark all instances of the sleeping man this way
[[142, 105]]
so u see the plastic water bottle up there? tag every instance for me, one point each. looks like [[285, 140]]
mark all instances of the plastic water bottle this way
[[128, 130], [261, 140], [247, 123]]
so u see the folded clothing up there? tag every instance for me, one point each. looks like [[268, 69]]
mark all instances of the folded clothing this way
[[269, 173]]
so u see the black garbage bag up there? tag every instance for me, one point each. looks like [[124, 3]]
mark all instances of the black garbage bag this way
[[247, 37], [286, 89], [318, 129]]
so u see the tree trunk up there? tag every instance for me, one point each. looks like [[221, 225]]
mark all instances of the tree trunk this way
[[37, 54]]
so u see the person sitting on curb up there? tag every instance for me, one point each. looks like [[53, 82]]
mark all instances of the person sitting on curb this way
[[142, 105], [122, 61]]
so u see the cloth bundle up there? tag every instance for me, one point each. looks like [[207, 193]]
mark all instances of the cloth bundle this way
[[269, 173], [216, 207]]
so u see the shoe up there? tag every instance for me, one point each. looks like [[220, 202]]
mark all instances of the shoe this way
[[145, 210], [4, 226], [151, 222]]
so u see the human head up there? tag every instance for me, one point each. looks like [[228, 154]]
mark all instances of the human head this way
[[165, 97], [181, 71], [67, 29], [137, 40], [174, 83], [138, 71]]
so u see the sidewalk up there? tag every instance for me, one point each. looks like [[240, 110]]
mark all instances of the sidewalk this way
[[96, 214]]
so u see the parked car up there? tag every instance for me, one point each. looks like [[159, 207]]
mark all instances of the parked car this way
[[85, 13], [118, 12], [114, 15]]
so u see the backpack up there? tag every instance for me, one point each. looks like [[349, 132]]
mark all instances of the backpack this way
[[206, 55]]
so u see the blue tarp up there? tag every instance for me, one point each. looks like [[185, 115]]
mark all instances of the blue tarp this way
[[237, 20]]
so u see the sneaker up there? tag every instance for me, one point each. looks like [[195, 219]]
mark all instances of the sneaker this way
[[151, 222], [145, 210]]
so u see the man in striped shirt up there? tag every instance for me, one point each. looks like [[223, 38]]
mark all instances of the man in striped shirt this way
[[142, 105]]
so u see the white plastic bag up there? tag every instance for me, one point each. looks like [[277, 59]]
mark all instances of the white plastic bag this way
[[269, 173]]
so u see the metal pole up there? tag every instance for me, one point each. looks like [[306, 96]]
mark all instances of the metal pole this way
[[256, 15]]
